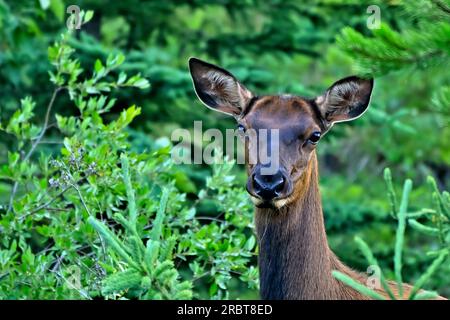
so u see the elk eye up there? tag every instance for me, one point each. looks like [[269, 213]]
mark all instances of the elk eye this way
[[314, 138], [241, 128]]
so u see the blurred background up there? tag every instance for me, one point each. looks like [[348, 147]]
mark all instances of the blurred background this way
[[297, 47]]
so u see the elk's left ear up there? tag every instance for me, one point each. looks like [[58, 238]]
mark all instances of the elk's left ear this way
[[345, 100], [218, 89]]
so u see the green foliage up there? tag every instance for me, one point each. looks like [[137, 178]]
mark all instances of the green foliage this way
[[415, 48], [408, 117], [438, 217], [389, 50], [151, 273], [356, 285], [112, 214], [422, 44]]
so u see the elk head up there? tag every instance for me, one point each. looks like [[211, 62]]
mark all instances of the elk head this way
[[292, 126]]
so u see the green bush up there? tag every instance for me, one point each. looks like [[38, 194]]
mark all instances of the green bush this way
[[99, 220]]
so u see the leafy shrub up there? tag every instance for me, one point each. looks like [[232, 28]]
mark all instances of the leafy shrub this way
[[100, 220]]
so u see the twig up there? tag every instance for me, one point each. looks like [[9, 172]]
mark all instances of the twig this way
[[45, 205], [58, 262], [51, 142], [35, 143], [201, 276], [58, 209], [209, 218], [75, 186]]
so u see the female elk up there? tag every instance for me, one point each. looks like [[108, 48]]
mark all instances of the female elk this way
[[295, 260]]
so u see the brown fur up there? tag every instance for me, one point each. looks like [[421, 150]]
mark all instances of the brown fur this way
[[295, 236]]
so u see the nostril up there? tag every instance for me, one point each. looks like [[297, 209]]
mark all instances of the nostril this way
[[256, 184], [268, 186], [279, 186]]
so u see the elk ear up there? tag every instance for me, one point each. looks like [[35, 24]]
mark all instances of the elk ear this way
[[345, 100], [218, 89]]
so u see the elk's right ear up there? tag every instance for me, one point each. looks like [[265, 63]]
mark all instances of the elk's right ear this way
[[218, 89], [345, 100]]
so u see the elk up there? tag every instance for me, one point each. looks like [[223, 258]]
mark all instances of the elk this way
[[295, 261]]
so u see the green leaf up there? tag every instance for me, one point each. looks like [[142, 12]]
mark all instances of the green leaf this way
[[142, 84], [98, 66], [125, 118], [120, 281], [119, 60], [162, 268], [57, 7], [44, 4], [357, 286], [122, 78], [373, 262], [112, 240], [213, 289], [183, 183], [151, 254], [156, 231], [426, 295], [428, 273], [131, 229], [129, 188], [137, 248], [400, 234], [183, 295], [391, 192], [423, 228], [88, 16], [250, 244]]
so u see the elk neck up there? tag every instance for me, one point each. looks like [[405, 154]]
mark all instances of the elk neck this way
[[295, 261]]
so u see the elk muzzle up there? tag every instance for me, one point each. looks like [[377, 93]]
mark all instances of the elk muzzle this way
[[267, 189]]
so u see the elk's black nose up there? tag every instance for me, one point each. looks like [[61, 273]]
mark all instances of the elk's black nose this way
[[268, 186]]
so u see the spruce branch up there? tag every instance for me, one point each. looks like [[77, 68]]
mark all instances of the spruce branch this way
[[400, 235]]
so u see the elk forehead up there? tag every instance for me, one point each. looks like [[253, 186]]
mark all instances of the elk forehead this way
[[294, 114]]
